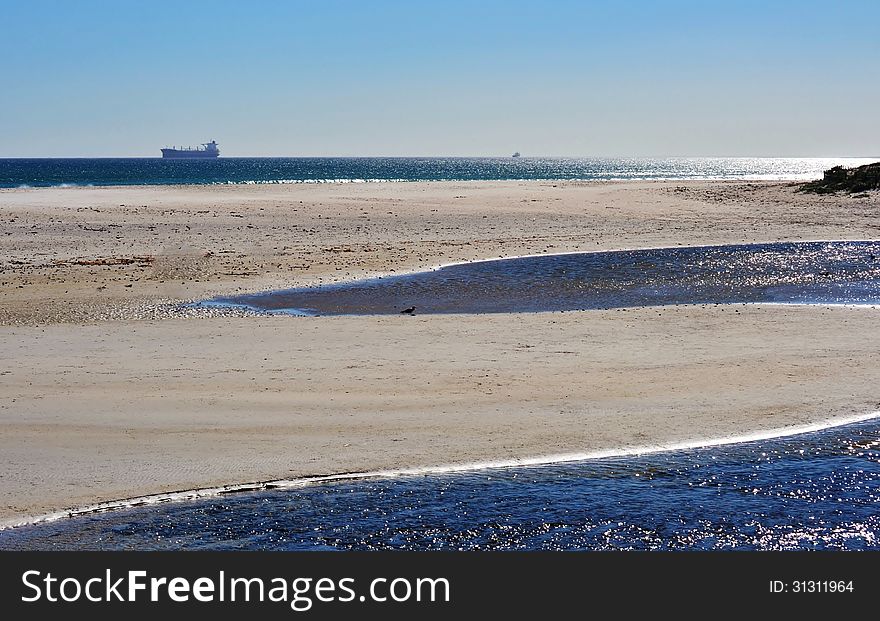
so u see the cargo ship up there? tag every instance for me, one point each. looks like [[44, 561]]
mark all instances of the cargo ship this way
[[206, 150]]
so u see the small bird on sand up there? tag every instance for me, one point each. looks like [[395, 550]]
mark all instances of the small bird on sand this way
[[408, 311]]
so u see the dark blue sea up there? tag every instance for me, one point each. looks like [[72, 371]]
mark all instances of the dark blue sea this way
[[231, 170]]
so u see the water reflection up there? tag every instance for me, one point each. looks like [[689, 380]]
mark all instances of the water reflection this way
[[803, 272], [812, 491]]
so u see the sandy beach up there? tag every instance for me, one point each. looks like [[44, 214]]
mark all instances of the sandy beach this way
[[108, 392]]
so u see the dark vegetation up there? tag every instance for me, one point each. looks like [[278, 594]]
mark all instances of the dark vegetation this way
[[840, 179]]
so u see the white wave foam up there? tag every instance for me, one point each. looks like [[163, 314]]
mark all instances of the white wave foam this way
[[305, 181], [631, 177], [545, 460], [638, 248]]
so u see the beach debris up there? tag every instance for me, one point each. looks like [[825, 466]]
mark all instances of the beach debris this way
[[408, 311], [106, 260]]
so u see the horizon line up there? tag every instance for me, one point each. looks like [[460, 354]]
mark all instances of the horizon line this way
[[493, 156]]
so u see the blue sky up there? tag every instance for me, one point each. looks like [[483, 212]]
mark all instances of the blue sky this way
[[322, 78]]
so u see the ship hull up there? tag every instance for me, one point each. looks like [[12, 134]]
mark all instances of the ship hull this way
[[189, 155]]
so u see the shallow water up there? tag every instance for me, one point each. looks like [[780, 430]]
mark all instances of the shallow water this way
[[812, 491], [802, 272]]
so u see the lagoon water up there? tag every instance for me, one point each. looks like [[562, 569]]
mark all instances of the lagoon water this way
[[818, 490], [282, 170], [787, 272]]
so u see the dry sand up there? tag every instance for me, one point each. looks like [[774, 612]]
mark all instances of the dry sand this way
[[105, 394]]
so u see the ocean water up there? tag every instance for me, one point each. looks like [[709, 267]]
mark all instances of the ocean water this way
[[156, 171], [786, 272], [814, 491]]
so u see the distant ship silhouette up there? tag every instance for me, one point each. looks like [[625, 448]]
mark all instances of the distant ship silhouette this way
[[210, 150]]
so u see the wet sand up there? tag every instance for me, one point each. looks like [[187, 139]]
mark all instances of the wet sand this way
[[107, 393]]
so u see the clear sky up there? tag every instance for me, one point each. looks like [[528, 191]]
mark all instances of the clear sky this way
[[327, 77]]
